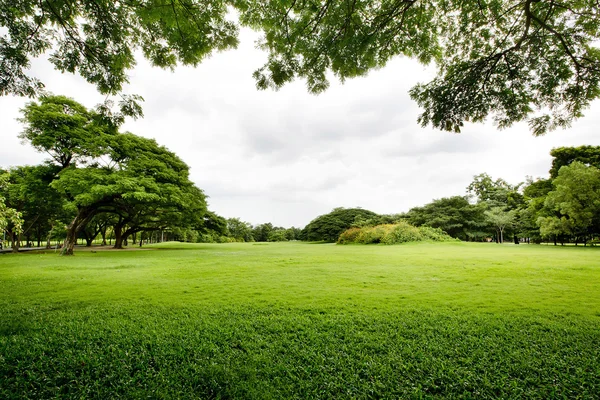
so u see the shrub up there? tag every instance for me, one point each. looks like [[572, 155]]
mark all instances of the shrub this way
[[403, 232], [400, 232], [349, 236], [373, 234], [435, 234]]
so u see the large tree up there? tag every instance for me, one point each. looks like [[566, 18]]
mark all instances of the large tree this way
[[103, 171], [576, 200], [512, 60]]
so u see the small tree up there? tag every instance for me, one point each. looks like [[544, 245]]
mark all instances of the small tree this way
[[500, 219]]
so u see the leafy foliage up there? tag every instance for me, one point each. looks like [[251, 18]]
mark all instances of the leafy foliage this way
[[145, 185], [529, 61], [97, 38], [563, 156], [454, 215], [576, 201], [8, 215]]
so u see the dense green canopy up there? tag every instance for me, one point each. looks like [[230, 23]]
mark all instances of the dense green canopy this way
[[512, 60], [328, 227], [563, 156], [98, 170]]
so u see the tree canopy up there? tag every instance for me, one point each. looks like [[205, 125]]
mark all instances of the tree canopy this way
[[454, 215], [99, 170], [563, 156], [8, 215], [575, 201], [328, 227], [527, 60]]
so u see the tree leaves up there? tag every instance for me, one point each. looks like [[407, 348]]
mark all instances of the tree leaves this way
[[526, 60]]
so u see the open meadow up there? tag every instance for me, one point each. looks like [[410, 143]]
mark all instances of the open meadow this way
[[299, 320]]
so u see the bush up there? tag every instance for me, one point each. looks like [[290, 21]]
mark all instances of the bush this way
[[373, 234], [403, 232], [349, 236], [400, 232]]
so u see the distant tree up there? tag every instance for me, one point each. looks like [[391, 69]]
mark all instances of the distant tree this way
[[103, 171], [214, 223], [534, 192], [328, 227], [498, 193], [8, 216], [278, 235], [454, 215], [261, 232], [500, 219], [239, 230], [38, 203], [563, 156], [363, 220], [293, 233]]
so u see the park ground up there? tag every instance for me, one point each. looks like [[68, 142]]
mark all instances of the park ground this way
[[299, 320]]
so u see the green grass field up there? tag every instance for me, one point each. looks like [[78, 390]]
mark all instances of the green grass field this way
[[297, 320]]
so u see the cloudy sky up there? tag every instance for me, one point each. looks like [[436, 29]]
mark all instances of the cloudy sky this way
[[285, 157]]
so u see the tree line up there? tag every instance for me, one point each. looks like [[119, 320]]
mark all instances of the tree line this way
[[100, 182], [562, 208]]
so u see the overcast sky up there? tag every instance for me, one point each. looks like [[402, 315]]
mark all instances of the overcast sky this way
[[286, 157]]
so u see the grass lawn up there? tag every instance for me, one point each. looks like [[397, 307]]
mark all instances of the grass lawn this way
[[297, 320]]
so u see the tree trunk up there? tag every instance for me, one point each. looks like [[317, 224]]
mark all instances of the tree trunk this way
[[118, 231], [70, 240], [15, 239], [103, 233], [79, 222]]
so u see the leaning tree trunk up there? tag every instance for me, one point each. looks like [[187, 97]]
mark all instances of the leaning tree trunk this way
[[82, 218]]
